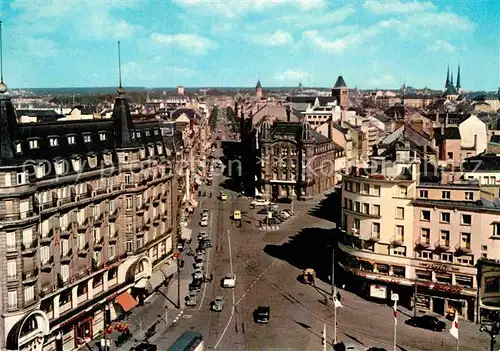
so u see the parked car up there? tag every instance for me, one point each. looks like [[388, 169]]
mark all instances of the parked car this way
[[237, 215], [229, 281], [205, 244], [199, 266], [427, 322], [199, 257], [285, 214], [202, 235], [195, 285], [204, 222], [192, 298], [262, 314], [259, 203], [223, 196], [205, 212], [218, 304], [198, 274]]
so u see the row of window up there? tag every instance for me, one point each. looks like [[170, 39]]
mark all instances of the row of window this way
[[445, 217], [446, 195], [362, 188], [71, 139]]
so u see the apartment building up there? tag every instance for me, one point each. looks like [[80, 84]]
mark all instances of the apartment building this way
[[87, 211], [400, 229], [295, 161], [377, 224]]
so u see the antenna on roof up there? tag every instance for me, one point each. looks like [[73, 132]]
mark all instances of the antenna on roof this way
[[3, 87], [120, 88]]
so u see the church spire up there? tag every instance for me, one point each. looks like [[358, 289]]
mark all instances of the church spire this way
[[447, 78], [451, 81], [458, 77]]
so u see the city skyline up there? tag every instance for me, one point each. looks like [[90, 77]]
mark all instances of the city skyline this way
[[373, 44]]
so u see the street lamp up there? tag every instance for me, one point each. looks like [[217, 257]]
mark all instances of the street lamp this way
[[493, 329]]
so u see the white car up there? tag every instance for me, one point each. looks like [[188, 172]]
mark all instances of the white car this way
[[260, 202], [198, 274], [199, 266], [204, 222], [229, 281], [202, 235]]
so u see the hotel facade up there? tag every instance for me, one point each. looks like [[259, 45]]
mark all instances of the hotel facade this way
[[88, 210], [400, 234]]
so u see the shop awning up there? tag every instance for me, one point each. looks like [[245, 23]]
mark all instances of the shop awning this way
[[193, 202], [126, 301], [186, 233], [161, 274]]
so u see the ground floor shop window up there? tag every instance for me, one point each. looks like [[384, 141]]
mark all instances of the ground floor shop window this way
[[399, 271], [443, 278], [382, 268], [84, 331]]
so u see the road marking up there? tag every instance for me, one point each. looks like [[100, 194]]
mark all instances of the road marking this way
[[255, 281], [178, 316]]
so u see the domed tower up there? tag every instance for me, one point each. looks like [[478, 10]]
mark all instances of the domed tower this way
[[340, 92], [258, 90]]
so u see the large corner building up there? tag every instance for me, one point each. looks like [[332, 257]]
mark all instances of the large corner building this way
[[87, 210]]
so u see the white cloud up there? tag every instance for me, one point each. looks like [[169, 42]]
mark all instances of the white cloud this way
[[42, 47], [192, 43], [305, 20], [440, 45], [379, 7], [236, 9], [322, 41], [292, 76], [442, 20], [145, 72], [278, 38], [78, 18], [382, 81]]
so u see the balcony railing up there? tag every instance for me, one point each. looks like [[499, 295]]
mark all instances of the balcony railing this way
[[463, 248], [65, 258], [397, 240], [373, 237], [29, 248], [47, 265], [83, 251], [442, 245], [113, 215], [30, 276], [10, 217], [422, 243]]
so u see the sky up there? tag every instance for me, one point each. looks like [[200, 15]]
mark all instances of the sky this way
[[196, 43]]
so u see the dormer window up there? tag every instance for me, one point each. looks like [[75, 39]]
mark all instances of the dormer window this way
[[34, 144], [157, 132], [102, 136], [92, 161], [19, 148], [59, 167], [108, 159], [71, 139], [40, 170], [147, 133], [87, 138], [77, 164], [53, 141], [159, 147], [138, 135]]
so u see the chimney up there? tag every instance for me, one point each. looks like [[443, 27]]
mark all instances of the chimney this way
[[287, 114], [446, 120]]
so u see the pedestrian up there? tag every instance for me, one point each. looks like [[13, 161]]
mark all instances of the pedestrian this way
[[211, 276]]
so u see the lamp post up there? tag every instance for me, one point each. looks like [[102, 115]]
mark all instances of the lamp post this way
[[493, 329]]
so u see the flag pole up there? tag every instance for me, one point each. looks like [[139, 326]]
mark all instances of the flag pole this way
[[324, 336], [395, 322]]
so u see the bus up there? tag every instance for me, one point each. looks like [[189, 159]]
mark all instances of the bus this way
[[189, 341]]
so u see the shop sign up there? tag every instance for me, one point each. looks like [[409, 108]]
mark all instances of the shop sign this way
[[378, 291], [439, 268]]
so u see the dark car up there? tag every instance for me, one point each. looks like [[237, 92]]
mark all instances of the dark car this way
[[145, 347], [195, 284], [427, 322], [262, 314]]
